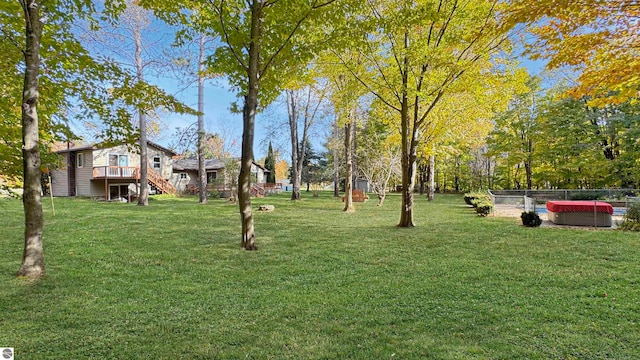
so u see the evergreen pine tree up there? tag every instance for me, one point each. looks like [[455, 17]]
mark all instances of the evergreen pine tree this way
[[270, 164]]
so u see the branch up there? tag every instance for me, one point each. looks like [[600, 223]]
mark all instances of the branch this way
[[433, 23], [486, 23], [393, 46], [318, 6], [12, 40], [226, 34], [375, 93], [382, 73], [290, 36], [446, 24]]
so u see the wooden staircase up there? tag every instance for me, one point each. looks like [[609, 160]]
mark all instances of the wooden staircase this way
[[159, 183], [257, 191]]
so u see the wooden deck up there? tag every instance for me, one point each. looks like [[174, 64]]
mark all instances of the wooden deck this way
[[132, 174], [116, 172]]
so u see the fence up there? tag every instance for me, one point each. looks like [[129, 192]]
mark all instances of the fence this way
[[529, 200], [570, 194], [502, 203], [529, 204]]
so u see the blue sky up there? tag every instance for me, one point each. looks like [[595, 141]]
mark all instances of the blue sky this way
[[218, 98]]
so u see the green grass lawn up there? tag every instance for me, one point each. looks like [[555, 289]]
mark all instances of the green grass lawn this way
[[170, 281]]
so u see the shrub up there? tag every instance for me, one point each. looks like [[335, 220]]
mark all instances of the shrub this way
[[468, 198], [588, 195], [632, 218], [481, 201], [471, 197], [483, 208], [633, 214], [530, 219]]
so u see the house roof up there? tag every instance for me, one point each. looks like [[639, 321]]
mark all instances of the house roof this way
[[73, 147], [261, 167], [192, 164], [102, 146], [209, 164], [252, 161]]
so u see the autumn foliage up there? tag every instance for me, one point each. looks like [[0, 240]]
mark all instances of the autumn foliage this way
[[596, 38]]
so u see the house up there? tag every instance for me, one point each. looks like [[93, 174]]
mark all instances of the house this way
[[110, 173], [185, 173], [113, 173], [258, 173]]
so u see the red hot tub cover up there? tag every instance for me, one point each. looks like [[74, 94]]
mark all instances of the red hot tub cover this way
[[579, 206]]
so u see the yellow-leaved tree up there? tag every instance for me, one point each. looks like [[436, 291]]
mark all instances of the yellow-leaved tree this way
[[415, 52], [595, 38]]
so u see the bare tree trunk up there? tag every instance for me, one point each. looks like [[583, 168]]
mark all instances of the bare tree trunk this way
[[423, 177], [202, 171], [456, 174], [528, 164], [381, 196], [33, 255], [432, 176], [297, 152], [354, 154], [248, 120], [489, 175], [143, 199], [299, 145], [336, 162], [348, 186]]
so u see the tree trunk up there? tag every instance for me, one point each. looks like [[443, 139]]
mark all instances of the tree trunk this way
[[422, 175], [408, 147], [336, 163], [248, 121], [202, 171], [33, 255], [143, 199], [354, 155], [528, 164], [529, 174], [297, 152], [456, 174], [432, 183], [348, 185]]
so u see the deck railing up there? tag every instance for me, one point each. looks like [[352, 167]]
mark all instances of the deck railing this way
[[115, 172], [271, 186]]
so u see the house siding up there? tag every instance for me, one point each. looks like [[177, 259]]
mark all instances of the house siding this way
[[101, 156], [84, 175], [258, 174], [181, 184], [60, 178], [166, 164]]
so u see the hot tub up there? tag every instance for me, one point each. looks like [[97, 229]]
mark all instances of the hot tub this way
[[580, 213]]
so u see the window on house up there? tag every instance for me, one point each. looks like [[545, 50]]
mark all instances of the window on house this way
[[118, 160], [156, 162], [211, 176], [183, 176], [80, 160]]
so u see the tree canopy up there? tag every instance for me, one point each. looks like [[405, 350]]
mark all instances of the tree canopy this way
[[598, 39]]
